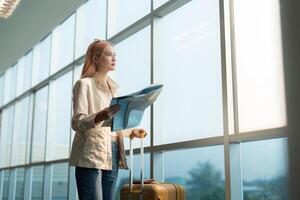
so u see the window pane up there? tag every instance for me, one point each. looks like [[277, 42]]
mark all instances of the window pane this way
[[24, 73], [59, 117], [5, 190], [265, 169], [121, 14], [261, 98], [187, 61], [6, 136], [157, 3], [63, 44], [37, 183], [200, 171], [20, 183], [137, 46], [10, 84], [60, 181], [72, 188], [90, 24], [39, 124], [41, 60], [1, 89], [123, 176], [21, 129], [77, 73], [76, 76]]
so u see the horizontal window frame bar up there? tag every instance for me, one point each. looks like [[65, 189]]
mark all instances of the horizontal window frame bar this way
[[198, 143], [258, 135], [168, 7], [131, 29]]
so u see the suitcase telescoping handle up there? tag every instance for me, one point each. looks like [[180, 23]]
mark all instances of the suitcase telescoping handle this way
[[142, 164]]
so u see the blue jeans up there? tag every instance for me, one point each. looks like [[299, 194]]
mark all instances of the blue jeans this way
[[97, 184]]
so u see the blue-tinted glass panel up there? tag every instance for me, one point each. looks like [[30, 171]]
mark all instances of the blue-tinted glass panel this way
[[60, 181], [265, 169], [138, 47], [90, 24], [73, 194], [1, 89], [76, 77], [6, 135], [20, 183], [77, 73], [121, 14], [37, 183], [5, 190], [21, 129], [62, 49], [157, 3], [59, 117], [187, 62], [39, 125], [200, 171], [24, 72], [41, 60], [10, 83]]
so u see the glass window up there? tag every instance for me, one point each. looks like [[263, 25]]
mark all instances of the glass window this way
[[76, 77], [121, 14], [77, 73], [138, 47], [187, 62], [10, 84], [20, 183], [41, 60], [265, 169], [123, 177], [1, 128], [60, 181], [1, 89], [62, 49], [6, 136], [259, 65], [138, 72], [39, 125], [5, 190], [24, 73], [72, 189], [37, 183], [200, 171], [90, 24], [21, 129], [59, 117], [157, 3]]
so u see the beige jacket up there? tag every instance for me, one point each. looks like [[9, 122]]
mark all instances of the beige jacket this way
[[91, 146]]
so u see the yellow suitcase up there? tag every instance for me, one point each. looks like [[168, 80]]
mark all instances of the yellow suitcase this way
[[149, 189]]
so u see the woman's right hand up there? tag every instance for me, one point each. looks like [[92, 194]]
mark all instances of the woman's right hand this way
[[107, 113], [138, 133]]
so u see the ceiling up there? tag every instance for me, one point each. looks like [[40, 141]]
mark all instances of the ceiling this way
[[31, 21]]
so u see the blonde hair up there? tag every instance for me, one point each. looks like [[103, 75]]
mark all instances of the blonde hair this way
[[96, 48]]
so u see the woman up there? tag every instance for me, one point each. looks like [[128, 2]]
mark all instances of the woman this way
[[97, 152]]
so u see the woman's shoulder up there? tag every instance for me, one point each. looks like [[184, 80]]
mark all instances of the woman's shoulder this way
[[84, 81], [82, 84]]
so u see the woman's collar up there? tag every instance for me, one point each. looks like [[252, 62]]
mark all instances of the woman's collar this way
[[112, 84]]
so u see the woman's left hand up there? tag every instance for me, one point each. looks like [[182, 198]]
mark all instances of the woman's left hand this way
[[138, 133]]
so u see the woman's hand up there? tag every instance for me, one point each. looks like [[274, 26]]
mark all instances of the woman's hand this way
[[138, 133], [107, 113]]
